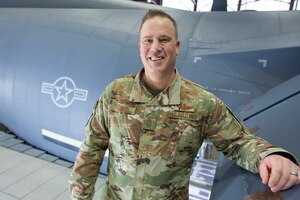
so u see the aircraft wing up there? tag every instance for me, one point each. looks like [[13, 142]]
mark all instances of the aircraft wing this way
[[233, 182], [92, 4]]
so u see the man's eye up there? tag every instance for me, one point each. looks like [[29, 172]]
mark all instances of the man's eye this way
[[164, 40], [147, 41]]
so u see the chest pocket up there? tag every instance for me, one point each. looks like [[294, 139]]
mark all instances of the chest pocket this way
[[125, 127], [185, 137]]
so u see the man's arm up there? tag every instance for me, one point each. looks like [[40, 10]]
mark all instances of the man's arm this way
[[231, 137], [91, 153]]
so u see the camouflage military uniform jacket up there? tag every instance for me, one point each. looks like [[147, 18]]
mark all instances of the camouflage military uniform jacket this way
[[153, 140]]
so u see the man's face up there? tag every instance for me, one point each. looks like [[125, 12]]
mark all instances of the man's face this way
[[158, 45]]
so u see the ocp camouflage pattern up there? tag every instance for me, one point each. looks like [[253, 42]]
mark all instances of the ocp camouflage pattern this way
[[153, 140]]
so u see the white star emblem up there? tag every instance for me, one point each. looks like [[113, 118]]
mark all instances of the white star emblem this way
[[63, 92]]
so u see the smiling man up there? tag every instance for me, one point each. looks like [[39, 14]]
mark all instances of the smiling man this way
[[154, 122], [159, 47]]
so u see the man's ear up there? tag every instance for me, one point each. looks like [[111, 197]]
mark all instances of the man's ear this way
[[177, 47]]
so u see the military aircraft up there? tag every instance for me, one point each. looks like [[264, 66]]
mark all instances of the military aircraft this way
[[54, 64]]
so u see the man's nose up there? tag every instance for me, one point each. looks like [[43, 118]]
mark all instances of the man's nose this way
[[156, 46]]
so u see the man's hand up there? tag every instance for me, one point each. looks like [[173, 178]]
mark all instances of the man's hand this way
[[279, 172]]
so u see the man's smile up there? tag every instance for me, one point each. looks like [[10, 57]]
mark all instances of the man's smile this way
[[155, 58]]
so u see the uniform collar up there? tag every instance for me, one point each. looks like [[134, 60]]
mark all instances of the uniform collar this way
[[169, 96]]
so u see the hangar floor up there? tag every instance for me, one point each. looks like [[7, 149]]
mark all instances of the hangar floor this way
[[27, 173]]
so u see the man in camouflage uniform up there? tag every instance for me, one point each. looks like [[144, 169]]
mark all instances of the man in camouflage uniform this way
[[153, 124]]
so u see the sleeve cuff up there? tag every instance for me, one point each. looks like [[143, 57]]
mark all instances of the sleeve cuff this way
[[281, 152]]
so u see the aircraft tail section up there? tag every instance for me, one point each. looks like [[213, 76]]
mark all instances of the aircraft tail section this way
[[274, 116]]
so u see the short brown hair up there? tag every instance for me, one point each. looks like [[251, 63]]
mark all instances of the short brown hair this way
[[159, 13]]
